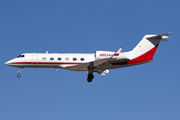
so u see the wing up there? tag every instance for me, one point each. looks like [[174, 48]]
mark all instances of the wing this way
[[84, 66], [98, 65]]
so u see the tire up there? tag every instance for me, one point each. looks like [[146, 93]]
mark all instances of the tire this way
[[91, 76], [18, 75], [89, 79]]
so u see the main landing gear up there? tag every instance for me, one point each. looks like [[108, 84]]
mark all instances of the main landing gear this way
[[19, 72], [90, 77], [90, 72]]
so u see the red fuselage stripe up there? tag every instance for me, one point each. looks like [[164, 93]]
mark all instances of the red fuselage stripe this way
[[55, 63], [116, 54]]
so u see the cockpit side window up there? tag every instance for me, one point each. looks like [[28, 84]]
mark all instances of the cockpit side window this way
[[20, 56]]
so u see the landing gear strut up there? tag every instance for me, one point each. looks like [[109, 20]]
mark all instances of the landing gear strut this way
[[19, 72], [90, 77]]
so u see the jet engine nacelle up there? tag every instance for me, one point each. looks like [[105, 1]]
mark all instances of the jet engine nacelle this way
[[103, 54]]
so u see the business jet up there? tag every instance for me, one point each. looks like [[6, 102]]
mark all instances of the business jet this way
[[100, 62]]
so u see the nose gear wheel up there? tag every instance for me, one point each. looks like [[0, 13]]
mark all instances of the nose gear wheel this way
[[19, 75]]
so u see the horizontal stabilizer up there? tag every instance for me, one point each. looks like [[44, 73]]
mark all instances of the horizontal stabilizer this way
[[162, 36]]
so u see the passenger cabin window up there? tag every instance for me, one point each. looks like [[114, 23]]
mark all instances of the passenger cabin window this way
[[20, 56], [66, 58], [59, 59], [51, 58], [44, 58], [82, 59], [74, 59]]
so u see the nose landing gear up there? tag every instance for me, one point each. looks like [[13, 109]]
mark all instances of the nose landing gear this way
[[19, 72]]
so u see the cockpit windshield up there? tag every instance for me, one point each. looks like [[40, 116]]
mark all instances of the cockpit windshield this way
[[20, 56]]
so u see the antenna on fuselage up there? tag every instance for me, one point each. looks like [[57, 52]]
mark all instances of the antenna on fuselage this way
[[47, 52]]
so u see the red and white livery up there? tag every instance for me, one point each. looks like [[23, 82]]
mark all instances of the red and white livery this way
[[100, 62]]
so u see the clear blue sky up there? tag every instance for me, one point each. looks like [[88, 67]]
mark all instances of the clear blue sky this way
[[146, 92]]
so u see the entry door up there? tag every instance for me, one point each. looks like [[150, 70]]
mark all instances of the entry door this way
[[34, 59]]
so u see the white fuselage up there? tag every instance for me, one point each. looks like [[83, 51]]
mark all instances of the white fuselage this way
[[56, 60]]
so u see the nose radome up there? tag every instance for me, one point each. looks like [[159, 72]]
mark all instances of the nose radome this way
[[7, 62]]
